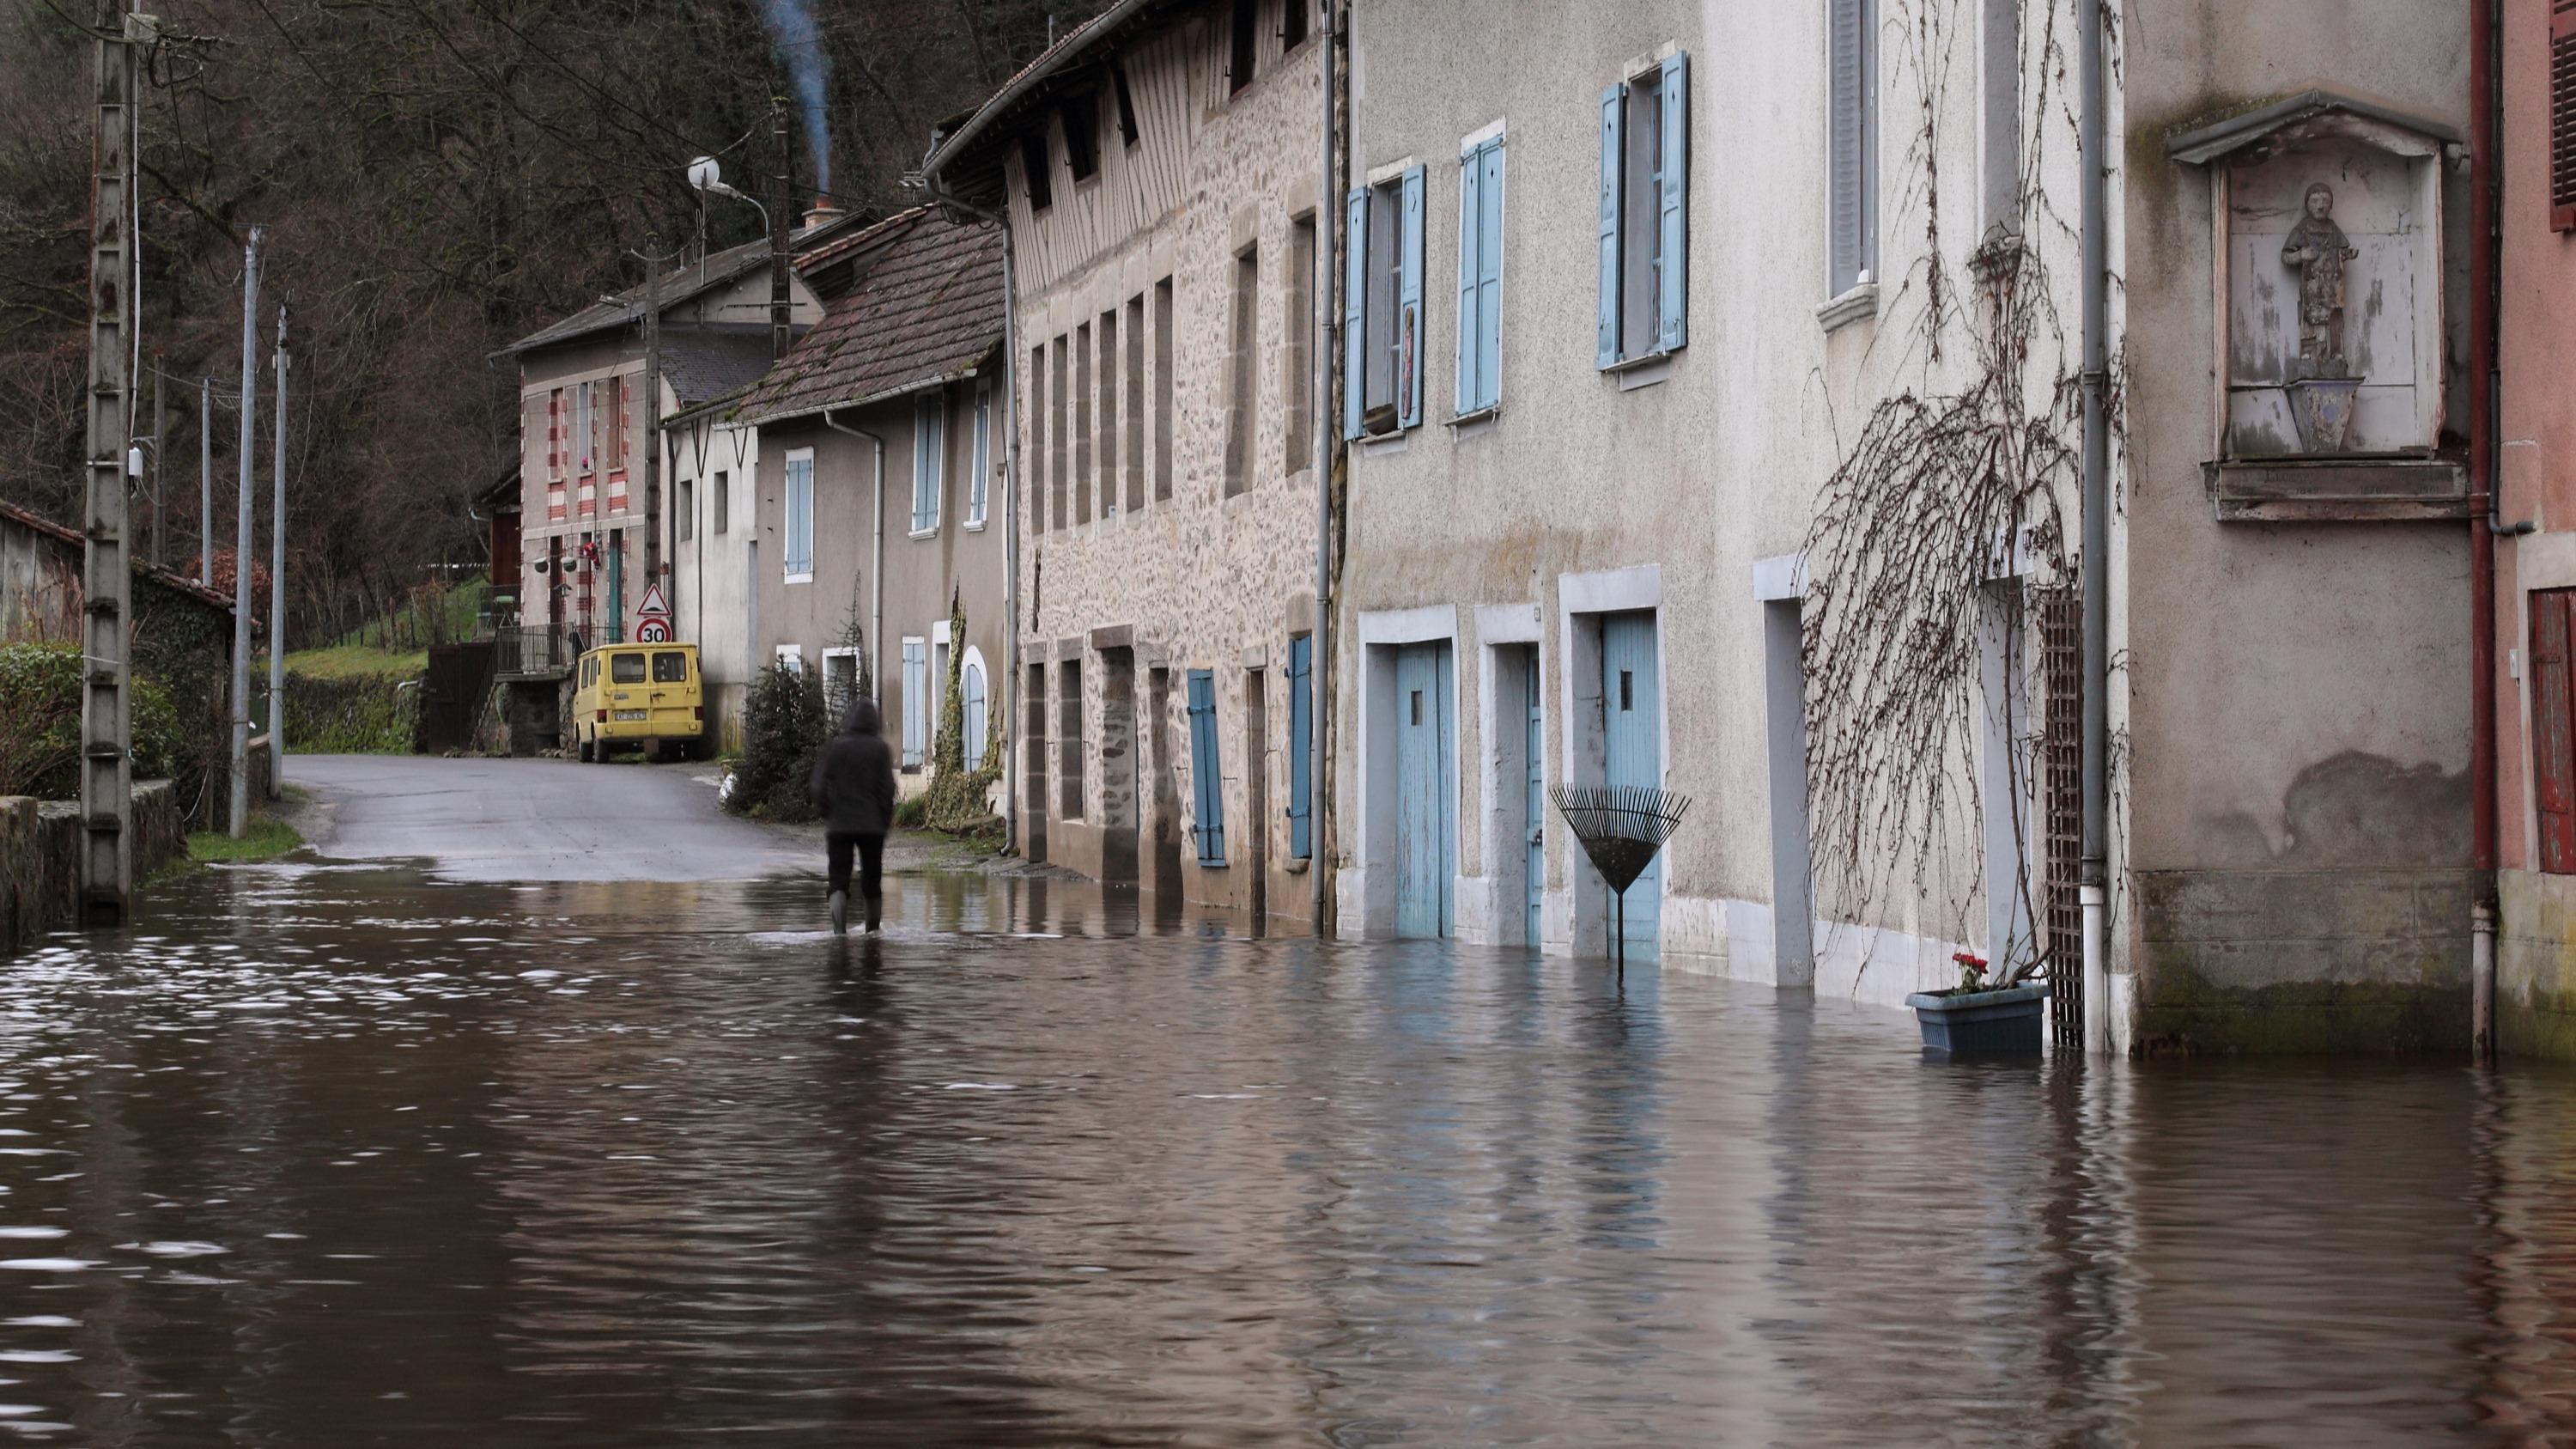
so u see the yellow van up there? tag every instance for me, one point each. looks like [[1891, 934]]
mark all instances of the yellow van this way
[[632, 693]]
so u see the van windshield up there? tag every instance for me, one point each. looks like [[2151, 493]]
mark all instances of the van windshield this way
[[626, 668], [670, 667]]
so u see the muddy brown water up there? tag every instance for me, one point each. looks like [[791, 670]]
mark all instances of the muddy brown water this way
[[328, 1156]]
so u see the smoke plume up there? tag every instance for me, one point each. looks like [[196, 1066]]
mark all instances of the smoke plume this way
[[800, 44]]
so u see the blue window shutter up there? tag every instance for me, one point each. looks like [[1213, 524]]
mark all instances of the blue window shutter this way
[[1613, 141], [1408, 301], [1301, 744], [1205, 783], [1672, 324], [1354, 310], [1489, 278], [1470, 212]]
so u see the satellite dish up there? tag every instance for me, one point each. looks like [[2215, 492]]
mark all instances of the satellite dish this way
[[703, 173]]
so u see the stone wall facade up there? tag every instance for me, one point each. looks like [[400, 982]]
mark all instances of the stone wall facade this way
[[40, 858]]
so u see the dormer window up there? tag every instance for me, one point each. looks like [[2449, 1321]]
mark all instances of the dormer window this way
[[1127, 134], [1080, 116], [1036, 166]]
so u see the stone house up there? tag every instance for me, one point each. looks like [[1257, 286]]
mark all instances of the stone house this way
[[583, 427], [872, 503], [1158, 170]]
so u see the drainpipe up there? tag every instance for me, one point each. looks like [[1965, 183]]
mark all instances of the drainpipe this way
[[876, 569], [1007, 687], [1319, 683], [2094, 886], [2484, 242]]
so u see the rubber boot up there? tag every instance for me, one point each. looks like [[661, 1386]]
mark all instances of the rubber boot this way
[[841, 913], [875, 904]]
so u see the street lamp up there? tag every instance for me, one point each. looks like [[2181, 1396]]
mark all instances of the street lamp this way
[[704, 176]]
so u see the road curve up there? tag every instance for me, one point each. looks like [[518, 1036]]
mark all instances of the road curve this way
[[536, 820]]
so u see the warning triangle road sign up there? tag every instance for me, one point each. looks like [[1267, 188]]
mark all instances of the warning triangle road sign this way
[[653, 603]]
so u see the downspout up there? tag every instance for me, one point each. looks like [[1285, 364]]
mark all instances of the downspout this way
[[1007, 688], [876, 569], [2095, 568], [2484, 243], [1319, 683]]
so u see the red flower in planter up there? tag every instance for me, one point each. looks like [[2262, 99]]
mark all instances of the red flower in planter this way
[[1972, 969]]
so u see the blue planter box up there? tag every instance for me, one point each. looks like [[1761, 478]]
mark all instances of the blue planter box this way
[[2005, 1022]]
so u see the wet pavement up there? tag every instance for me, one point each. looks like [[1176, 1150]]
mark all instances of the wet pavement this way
[[352, 1155]]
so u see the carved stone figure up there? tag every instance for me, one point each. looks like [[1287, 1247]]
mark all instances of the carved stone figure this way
[[2318, 250]]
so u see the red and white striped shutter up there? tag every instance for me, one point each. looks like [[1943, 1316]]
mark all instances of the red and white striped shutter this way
[[2562, 115]]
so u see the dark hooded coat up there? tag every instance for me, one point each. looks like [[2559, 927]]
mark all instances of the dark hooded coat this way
[[853, 783]]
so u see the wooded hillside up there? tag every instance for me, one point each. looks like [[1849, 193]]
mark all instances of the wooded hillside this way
[[433, 178]]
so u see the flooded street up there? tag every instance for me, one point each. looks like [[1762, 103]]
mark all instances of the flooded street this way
[[343, 1155]]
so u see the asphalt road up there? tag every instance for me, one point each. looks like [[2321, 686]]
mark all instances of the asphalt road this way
[[535, 820]]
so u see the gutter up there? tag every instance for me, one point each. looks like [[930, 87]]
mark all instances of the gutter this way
[[2095, 567], [876, 569], [2485, 34], [1319, 683]]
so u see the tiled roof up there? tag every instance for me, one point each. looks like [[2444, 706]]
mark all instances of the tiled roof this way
[[703, 364], [678, 285], [927, 305], [978, 131], [70, 537]]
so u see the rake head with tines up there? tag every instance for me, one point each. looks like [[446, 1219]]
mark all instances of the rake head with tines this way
[[1621, 828]]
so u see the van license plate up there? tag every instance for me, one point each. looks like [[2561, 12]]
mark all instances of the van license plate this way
[[625, 714]]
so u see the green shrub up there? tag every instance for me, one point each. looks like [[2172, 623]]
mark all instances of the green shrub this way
[[353, 714], [911, 812], [40, 719], [783, 726]]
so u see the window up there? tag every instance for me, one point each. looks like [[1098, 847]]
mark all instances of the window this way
[[1206, 789], [799, 549], [934, 694], [626, 669], [1480, 275], [840, 681], [1069, 737], [1240, 417], [1163, 390], [1853, 133], [687, 520], [1082, 484], [720, 507], [1297, 372], [1080, 117], [1055, 432], [1238, 66], [1037, 453], [916, 702], [612, 421], [1301, 745], [2562, 116], [1135, 451], [1382, 307], [1108, 414], [1645, 243], [1127, 133], [929, 458], [976, 701], [980, 457], [670, 666], [2553, 729], [555, 434], [585, 439], [1292, 25], [791, 657], [2002, 141], [1037, 168]]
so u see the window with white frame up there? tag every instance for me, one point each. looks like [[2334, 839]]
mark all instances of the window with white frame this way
[[980, 456], [840, 681], [916, 701], [1852, 138], [1645, 214], [1480, 273], [799, 548], [792, 657], [1382, 306], [585, 438], [976, 701], [929, 458]]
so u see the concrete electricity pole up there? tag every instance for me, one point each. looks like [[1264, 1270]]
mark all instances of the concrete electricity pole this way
[[160, 523], [240, 823], [652, 411], [277, 578], [107, 565], [206, 482]]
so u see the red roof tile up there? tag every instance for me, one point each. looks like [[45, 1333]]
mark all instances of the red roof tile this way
[[926, 305]]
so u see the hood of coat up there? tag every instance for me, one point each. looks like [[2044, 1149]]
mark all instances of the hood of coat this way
[[862, 718]]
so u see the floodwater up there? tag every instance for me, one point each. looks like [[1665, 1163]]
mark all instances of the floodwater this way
[[326, 1156]]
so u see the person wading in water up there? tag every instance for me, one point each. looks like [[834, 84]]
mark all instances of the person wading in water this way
[[853, 791]]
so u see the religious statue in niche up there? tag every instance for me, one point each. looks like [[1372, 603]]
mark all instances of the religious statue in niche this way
[[2323, 387]]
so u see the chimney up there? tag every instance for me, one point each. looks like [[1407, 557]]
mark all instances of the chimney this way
[[824, 211]]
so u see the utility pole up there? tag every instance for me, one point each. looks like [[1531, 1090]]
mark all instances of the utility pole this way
[[107, 571], [778, 294], [241, 542], [277, 577], [206, 482], [653, 422], [160, 523]]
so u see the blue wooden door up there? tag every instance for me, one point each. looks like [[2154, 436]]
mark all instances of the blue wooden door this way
[[1534, 801], [1633, 745], [1207, 784], [1426, 836], [1301, 746]]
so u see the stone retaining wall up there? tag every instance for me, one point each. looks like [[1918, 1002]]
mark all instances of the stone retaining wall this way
[[40, 858]]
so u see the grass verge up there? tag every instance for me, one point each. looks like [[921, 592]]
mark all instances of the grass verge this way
[[267, 838], [347, 661]]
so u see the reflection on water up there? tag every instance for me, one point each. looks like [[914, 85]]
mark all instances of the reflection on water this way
[[341, 1156]]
